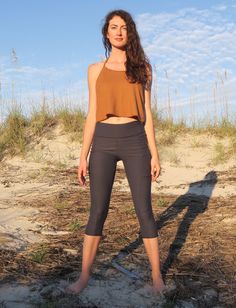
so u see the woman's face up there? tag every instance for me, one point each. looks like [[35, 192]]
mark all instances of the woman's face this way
[[117, 32]]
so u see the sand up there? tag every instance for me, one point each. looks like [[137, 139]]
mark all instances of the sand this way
[[186, 168]]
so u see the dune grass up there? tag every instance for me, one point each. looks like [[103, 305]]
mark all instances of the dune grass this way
[[17, 131], [13, 133]]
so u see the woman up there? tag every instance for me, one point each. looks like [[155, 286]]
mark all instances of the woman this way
[[119, 122]]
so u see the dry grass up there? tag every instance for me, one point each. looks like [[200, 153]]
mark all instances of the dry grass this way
[[197, 239], [174, 159], [12, 134], [195, 143], [223, 153], [17, 132]]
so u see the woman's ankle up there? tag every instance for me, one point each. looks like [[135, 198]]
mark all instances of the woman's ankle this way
[[156, 276], [85, 274]]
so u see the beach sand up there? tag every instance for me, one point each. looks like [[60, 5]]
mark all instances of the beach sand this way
[[44, 213]]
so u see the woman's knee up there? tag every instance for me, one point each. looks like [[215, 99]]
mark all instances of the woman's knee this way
[[95, 222], [144, 213], [147, 223], [93, 229], [98, 212]]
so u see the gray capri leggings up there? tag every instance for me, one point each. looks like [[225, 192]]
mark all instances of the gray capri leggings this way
[[111, 143]]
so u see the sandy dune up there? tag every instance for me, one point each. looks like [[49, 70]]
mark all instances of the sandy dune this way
[[49, 170]]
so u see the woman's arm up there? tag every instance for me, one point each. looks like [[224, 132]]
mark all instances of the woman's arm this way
[[149, 126], [90, 122]]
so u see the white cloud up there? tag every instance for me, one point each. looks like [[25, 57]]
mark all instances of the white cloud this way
[[189, 46], [220, 7]]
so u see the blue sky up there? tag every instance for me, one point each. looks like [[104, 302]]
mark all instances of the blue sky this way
[[191, 45]]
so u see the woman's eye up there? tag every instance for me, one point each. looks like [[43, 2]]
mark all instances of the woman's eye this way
[[115, 28]]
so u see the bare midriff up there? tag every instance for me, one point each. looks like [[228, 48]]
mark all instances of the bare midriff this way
[[118, 120]]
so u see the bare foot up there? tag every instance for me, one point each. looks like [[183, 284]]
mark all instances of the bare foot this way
[[158, 287], [78, 285]]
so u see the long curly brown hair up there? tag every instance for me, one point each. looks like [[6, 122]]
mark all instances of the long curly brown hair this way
[[138, 67]]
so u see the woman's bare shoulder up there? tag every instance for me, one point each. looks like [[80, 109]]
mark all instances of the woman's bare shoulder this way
[[94, 70], [96, 66]]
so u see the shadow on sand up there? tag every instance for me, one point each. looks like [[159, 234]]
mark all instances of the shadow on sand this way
[[195, 201]]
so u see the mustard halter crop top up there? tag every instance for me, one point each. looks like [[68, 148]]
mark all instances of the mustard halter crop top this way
[[116, 96]]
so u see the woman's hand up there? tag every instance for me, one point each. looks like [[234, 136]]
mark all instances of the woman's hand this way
[[155, 168], [82, 171]]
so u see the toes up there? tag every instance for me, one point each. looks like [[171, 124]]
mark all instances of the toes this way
[[69, 290], [158, 294]]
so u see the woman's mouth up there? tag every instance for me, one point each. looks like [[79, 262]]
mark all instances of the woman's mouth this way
[[119, 39]]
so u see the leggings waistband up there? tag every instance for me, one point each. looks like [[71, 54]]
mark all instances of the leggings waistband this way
[[118, 130]]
